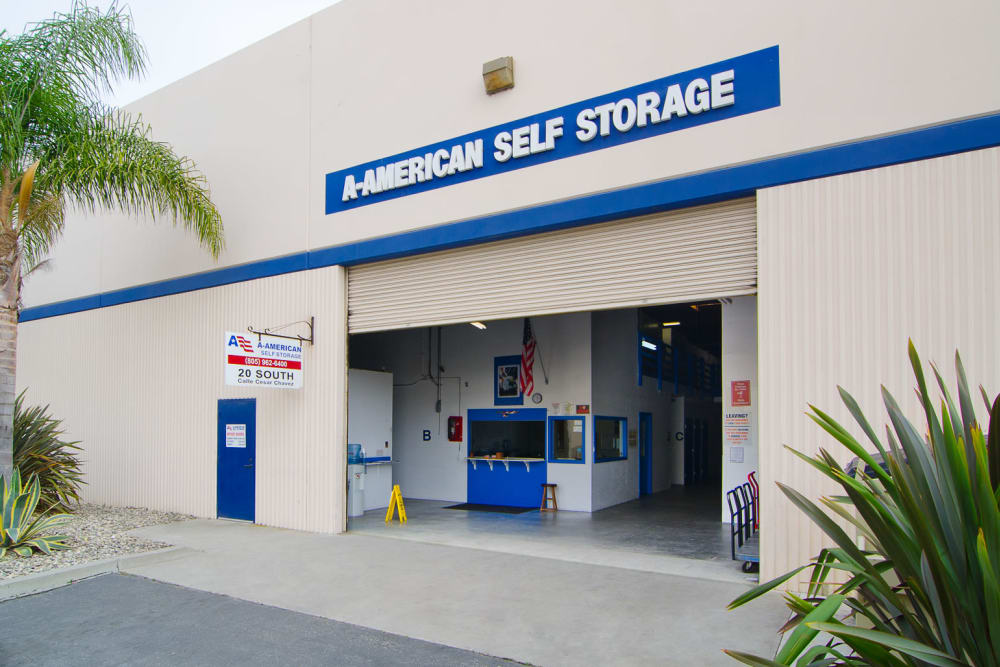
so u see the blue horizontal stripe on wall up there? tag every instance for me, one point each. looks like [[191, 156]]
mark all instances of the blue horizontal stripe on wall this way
[[216, 278], [708, 187]]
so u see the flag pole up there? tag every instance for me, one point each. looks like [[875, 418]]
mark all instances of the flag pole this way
[[539, 348]]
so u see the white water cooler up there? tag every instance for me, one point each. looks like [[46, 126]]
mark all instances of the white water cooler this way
[[355, 480]]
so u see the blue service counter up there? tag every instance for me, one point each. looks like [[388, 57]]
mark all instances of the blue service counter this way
[[514, 482]]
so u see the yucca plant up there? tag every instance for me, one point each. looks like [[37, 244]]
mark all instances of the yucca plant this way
[[919, 583], [39, 449], [21, 531]]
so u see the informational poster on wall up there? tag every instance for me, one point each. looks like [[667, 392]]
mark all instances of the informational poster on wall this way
[[736, 428], [262, 361], [740, 396], [236, 435]]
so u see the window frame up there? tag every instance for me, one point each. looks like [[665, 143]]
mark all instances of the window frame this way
[[624, 437], [550, 445]]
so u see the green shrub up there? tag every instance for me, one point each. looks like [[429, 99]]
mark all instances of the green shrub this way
[[922, 584], [21, 531], [40, 450]]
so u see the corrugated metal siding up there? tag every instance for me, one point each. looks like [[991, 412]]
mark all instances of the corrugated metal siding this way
[[138, 384], [850, 267], [695, 253]]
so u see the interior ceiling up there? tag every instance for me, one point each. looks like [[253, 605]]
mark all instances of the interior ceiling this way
[[700, 322]]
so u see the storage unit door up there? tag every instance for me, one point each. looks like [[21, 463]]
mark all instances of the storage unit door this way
[[687, 255]]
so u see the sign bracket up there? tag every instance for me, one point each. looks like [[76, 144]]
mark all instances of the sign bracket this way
[[311, 323]]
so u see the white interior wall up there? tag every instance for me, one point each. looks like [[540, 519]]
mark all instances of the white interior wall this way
[[138, 384], [739, 362], [663, 462], [675, 440], [436, 468], [617, 394], [369, 424]]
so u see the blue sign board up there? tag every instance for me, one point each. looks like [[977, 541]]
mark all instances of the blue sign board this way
[[725, 89]]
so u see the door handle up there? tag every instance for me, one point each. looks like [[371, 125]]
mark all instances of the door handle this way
[[248, 465]]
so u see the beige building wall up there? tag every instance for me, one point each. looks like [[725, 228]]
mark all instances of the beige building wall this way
[[138, 384], [367, 79], [850, 268]]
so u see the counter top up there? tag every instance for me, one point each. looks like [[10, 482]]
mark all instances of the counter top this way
[[505, 461]]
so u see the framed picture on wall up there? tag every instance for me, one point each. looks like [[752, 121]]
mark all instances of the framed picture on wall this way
[[506, 381]]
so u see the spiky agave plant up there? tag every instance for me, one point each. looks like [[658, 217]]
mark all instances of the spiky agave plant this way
[[40, 449], [921, 580], [21, 530]]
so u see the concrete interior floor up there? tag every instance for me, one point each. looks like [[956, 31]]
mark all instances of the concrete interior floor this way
[[674, 532]]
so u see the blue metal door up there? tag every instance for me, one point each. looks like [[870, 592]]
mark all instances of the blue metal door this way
[[645, 453], [237, 448]]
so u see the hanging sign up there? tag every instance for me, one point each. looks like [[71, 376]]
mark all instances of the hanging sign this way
[[728, 88], [262, 361]]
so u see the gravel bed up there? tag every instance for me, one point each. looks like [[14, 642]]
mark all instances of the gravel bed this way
[[96, 532]]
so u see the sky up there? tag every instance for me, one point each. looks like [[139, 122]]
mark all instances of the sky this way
[[181, 36]]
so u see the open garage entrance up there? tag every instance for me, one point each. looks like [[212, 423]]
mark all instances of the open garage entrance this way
[[624, 416], [597, 359]]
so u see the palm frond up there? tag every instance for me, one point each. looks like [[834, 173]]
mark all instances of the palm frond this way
[[55, 65], [39, 226], [107, 159]]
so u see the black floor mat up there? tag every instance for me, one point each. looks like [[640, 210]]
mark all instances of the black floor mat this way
[[499, 509]]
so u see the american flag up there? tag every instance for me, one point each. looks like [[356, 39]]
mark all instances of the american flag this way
[[527, 360]]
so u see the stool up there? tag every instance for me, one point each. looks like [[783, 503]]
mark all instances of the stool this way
[[546, 498]]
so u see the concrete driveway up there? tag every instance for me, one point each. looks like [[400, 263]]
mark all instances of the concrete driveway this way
[[535, 610]]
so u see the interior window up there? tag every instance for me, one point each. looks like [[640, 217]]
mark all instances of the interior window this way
[[609, 438], [567, 439], [515, 439]]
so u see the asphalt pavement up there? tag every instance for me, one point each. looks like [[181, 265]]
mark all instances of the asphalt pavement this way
[[119, 619]]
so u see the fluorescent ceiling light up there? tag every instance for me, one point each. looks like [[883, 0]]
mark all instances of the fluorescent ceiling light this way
[[478, 325], [671, 324], [649, 346]]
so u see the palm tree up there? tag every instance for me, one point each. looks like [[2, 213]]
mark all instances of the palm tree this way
[[60, 146]]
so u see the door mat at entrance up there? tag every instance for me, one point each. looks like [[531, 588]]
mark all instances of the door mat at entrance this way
[[499, 509]]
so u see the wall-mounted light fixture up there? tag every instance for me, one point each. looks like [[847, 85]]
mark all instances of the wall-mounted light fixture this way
[[671, 324], [649, 346], [498, 74], [478, 325]]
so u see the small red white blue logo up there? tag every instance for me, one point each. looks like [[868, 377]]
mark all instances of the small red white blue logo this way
[[242, 343]]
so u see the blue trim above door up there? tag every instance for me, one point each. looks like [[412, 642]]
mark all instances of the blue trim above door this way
[[509, 414]]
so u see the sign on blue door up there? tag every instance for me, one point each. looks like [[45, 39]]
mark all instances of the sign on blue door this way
[[237, 449]]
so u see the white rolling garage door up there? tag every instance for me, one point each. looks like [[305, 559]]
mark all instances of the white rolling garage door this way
[[685, 255]]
